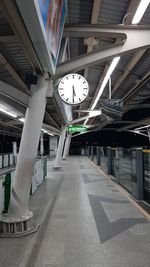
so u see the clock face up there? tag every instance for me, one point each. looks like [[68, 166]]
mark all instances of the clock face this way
[[73, 89]]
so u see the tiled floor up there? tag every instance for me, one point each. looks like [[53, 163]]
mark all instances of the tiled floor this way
[[85, 222]]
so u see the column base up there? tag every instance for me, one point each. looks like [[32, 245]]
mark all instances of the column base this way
[[17, 227]]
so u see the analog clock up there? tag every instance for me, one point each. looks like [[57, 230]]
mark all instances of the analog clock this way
[[73, 89]]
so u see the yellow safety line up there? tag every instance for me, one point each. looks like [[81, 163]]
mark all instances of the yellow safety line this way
[[146, 150], [124, 192]]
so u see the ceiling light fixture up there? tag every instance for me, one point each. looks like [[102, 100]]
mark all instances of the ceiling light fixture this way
[[22, 120], [50, 134], [47, 132], [140, 11], [8, 113], [44, 130], [107, 76]]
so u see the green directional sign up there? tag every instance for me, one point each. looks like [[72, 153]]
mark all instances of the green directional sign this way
[[76, 128]]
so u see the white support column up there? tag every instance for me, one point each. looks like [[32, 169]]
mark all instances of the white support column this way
[[60, 149], [14, 148], [14, 152], [53, 144], [41, 145], [66, 146], [69, 142], [18, 207]]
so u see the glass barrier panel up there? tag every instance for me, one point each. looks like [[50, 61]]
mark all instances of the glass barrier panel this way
[[146, 163], [113, 161], [5, 160], [95, 154], [104, 160], [0, 161], [124, 168], [11, 159]]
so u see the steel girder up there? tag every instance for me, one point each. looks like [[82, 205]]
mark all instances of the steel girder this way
[[131, 38]]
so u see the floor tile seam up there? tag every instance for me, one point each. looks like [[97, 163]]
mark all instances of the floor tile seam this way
[[124, 192]]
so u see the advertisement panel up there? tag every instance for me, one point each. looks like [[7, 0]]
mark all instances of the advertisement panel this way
[[44, 20], [53, 14]]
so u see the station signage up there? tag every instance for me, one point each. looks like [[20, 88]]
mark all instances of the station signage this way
[[76, 128]]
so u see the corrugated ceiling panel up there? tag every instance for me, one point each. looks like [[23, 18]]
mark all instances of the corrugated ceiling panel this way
[[16, 56], [126, 86], [113, 12], [77, 47], [143, 65], [4, 25], [80, 11]]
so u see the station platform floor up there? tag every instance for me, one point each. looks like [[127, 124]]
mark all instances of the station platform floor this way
[[86, 220]]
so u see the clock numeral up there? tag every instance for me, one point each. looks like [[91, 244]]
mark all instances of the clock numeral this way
[[67, 78], [79, 99], [79, 78], [67, 99], [62, 82], [62, 95], [61, 88], [84, 88], [84, 94], [73, 76], [84, 82]]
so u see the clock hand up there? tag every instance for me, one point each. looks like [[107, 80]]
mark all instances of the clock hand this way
[[74, 91], [74, 94]]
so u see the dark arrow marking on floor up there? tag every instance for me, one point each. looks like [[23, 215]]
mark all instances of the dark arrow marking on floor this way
[[106, 229], [92, 178]]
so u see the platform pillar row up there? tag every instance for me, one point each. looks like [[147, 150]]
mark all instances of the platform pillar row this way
[[58, 160], [67, 146]]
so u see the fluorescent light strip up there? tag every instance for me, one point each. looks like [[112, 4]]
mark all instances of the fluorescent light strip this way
[[8, 113], [85, 121], [47, 132], [50, 134], [22, 120], [147, 126], [107, 76], [140, 11]]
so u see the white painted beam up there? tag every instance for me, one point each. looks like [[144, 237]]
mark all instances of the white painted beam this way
[[14, 93], [132, 42]]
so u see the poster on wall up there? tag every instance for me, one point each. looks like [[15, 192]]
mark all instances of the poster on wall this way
[[53, 13], [44, 20]]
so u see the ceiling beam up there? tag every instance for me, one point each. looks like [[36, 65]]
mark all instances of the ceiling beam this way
[[94, 20], [133, 5], [14, 93], [51, 128], [132, 42], [6, 65], [8, 38], [16, 22], [51, 119], [134, 60], [84, 118], [10, 133], [137, 123], [135, 87]]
